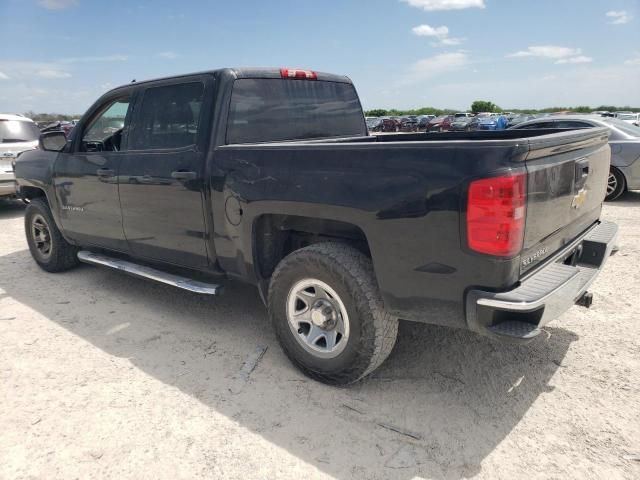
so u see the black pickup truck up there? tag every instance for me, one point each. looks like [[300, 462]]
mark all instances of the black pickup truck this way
[[270, 176]]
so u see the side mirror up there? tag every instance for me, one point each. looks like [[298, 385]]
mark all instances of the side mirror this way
[[52, 141]]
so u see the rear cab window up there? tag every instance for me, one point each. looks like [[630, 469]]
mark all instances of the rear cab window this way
[[15, 131], [271, 110]]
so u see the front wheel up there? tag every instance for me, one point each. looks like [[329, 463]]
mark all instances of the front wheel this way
[[328, 315], [616, 184], [47, 245]]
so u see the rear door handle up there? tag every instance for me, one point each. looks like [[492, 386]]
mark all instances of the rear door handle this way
[[182, 175], [105, 172]]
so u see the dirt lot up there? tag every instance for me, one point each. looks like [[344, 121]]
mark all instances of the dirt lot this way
[[107, 376]]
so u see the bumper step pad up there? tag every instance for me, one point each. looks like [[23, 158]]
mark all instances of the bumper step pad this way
[[515, 329]]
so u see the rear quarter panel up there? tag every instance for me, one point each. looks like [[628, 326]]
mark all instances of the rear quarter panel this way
[[405, 197]]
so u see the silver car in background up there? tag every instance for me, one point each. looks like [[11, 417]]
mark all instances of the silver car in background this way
[[17, 134], [632, 118], [624, 139]]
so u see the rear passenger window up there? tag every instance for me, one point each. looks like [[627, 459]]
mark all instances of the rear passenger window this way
[[169, 117]]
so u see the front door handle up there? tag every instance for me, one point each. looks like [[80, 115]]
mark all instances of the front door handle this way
[[182, 175], [105, 172]]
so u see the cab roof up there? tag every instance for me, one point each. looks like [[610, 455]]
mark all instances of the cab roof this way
[[242, 72]]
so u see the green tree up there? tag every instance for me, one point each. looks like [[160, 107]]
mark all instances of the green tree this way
[[376, 112], [484, 106]]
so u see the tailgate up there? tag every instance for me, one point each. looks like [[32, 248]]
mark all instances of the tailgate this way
[[567, 182]]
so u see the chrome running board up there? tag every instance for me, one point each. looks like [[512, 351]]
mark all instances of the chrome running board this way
[[151, 273]]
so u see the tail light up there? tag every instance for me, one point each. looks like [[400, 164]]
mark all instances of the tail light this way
[[496, 210], [295, 73]]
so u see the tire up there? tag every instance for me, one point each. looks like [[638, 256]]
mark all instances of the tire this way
[[616, 184], [370, 331], [41, 230]]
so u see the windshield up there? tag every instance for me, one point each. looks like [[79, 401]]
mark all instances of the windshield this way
[[624, 127], [13, 131], [628, 116]]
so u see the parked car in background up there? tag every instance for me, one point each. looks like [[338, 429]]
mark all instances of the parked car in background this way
[[440, 124], [374, 124], [408, 124], [17, 134], [462, 114], [632, 118], [517, 119], [624, 140], [390, 125], [424, 120], [63, 126], [460, 124], [486, 122]]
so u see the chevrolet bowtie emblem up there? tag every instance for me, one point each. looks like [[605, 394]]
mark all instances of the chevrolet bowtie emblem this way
[[579, 199]]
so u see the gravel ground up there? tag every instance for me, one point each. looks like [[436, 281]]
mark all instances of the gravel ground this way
[[107, 376]]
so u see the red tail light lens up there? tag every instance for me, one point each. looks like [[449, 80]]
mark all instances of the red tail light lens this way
[[496, 209], [296, 73]]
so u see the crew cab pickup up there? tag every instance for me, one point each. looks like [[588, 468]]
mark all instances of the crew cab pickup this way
[[269, 176]]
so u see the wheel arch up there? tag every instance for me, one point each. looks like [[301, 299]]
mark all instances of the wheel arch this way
[[275, 236]]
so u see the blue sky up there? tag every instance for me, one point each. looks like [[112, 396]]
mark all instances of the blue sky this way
[[60, 55]]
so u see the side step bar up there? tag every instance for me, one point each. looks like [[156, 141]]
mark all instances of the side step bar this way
[[151, 273]]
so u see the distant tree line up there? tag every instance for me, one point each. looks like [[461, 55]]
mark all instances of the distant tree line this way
[[49, 117], [487, 106]]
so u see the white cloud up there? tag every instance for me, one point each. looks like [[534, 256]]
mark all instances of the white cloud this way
[[561, 55], [439, 33], [168, 55], [437, 65], [433, 5], [90, 59], [619, 17], [4, 76], [547, 51], [633, 61], [446, 42], [50, 73], [57, 4], [578, 59], [428, 31]]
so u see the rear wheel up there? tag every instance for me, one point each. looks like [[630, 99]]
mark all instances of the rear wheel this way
[[47, 245], [328, 315], [616, 184]]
